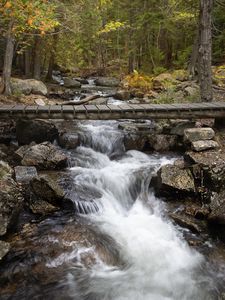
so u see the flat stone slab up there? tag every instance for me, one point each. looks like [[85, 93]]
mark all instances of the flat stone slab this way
[[204, 145], [198, 134]]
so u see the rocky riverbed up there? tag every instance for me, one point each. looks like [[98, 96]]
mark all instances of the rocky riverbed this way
[[59, 181]]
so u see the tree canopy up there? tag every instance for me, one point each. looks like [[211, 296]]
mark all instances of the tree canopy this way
[[122, 35]]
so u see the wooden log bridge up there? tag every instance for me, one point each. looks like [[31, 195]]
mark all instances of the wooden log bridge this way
[[115, 112]]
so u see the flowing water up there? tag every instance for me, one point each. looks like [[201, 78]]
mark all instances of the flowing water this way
[[133, 251]]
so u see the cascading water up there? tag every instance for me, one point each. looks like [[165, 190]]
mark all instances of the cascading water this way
[[116, 242], [154, 262]]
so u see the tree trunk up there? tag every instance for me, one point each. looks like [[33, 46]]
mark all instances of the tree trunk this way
[[205, 50], [192, 68], [27, 62], [7, 69], [52, 58], [37, 58]]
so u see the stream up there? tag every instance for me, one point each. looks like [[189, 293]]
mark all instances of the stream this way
[[116, 243]]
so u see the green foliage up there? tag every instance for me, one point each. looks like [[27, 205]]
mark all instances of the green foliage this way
[[29, 15], [138, 81], [150, 36]]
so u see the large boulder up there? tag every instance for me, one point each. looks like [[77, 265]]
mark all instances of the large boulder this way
[[43, 156], [107, 81], [46, 195], [38, 131], [28, 86], [71, 83], [209, 167], [11, 199], [174, 181], [198, 134], [45, 188]]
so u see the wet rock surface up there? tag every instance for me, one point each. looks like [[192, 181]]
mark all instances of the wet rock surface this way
[[47, 251], [174, 181], [11, 199], [44, 187], [43, 156], [68, 140], [210, 166], [187, 222]]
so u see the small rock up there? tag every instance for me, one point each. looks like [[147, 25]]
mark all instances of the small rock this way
[[82, 80], [25, 174], [71, 83], [204, 145], [191, 91], [40, 102], [4, 249], [107, 81], [69, 141], [122, 95], [198, 134]]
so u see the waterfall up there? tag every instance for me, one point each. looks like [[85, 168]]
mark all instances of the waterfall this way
[[155, 261]]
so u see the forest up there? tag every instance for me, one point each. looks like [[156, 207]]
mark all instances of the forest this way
[[110, 37]]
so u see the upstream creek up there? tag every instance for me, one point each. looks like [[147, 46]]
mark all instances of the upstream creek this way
[[116, 242]]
